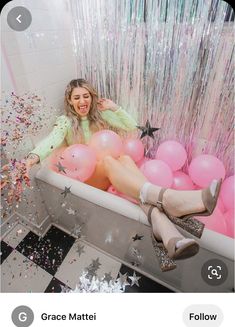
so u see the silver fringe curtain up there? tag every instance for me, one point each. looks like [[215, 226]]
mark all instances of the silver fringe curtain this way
[[167, 61]]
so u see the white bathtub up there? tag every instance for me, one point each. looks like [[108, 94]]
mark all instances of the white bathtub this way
[[109, 223]]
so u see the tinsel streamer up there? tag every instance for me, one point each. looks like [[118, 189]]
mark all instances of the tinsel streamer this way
[[166, 61]]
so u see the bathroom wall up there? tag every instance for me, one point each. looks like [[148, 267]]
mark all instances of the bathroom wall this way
[[37, 64]]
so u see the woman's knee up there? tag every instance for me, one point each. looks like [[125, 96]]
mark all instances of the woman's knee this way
[[125, 158], [108, 162]]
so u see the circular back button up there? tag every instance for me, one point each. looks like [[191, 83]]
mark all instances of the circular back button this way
[[19, 18]]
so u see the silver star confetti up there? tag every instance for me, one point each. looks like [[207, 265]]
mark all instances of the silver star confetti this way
[[70, 211], [123, 280], [134, 279], [80, 249], [66, 191]]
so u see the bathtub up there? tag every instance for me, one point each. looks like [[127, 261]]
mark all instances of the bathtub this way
[[109, 223]]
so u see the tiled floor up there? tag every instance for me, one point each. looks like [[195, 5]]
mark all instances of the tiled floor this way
[[55, 263]]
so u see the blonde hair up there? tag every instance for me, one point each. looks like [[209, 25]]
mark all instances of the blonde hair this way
[[96, 121]]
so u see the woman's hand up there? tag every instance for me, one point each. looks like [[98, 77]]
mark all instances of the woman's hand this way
[[107, 104]]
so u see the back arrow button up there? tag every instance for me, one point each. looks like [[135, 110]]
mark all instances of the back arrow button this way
[[18, 19]]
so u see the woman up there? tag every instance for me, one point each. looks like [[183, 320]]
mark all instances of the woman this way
[[86, 114]]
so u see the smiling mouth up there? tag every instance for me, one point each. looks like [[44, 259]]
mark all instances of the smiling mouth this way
[[83, 109]]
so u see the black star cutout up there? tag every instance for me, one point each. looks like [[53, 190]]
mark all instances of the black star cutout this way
[[60, 167], [66, 191], [137, 237], [147, 130]]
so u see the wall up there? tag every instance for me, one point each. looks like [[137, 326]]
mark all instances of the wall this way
[[38, 61]]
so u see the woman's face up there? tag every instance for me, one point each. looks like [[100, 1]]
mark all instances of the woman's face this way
[[81, 101]]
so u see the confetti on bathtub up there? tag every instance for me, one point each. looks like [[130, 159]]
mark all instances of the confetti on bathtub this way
[[77, 231], [134, 279], [66, 191], [137, 237], [60, 167], [135, 263], [71, 211]]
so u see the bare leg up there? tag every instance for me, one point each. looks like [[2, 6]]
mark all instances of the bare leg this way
[[128, 179], [175, 243], [124, 180], [129, 163], [163, 228]]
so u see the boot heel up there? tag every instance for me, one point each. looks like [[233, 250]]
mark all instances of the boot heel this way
[[165, 262], [190, 225]]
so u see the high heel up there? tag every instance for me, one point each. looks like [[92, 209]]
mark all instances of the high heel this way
[[165, 262], [187, 222]]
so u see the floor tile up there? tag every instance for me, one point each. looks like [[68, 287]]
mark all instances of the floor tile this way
[[16, 235], [56, 286], [48, 251], [5, 251], [143, 284], [19, 274], [82, 257]]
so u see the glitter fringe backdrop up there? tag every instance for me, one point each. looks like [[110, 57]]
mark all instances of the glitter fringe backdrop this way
[[167, 61]]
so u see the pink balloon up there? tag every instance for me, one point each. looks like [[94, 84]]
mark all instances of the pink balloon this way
[[79, 162], [181, 181], [204, 168], [220, 205], [227, 192], [56, 157], [215, 222], [172, 153], [112, 190], [106, 142], [158, 173], [229, 218], [142, 161], [134, 148]]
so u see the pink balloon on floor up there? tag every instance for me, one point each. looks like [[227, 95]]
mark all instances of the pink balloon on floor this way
[[229, 218], [106, 142], [204, 168], [215, 222], [173, 153], [227, 192], [158, 173], [182, 181], [134, 148], [79, 161]]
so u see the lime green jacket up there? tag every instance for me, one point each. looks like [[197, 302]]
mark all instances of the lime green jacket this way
[[62, 131]]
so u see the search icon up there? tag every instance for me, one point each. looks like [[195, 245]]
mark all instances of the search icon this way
[[214, 272]]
